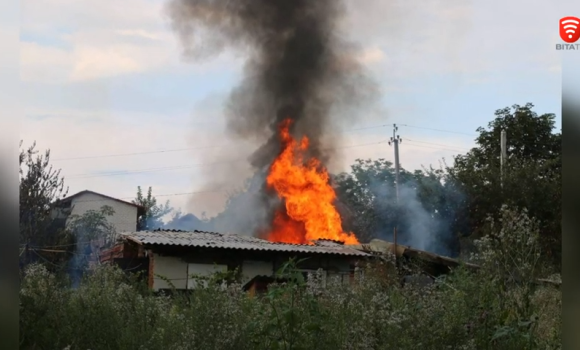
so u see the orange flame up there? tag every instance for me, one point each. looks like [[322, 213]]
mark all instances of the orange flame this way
[[308, 213]]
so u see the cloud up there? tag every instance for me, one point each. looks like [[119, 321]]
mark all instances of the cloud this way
[[371, 55], [39, 16], [95, 55], [93, 40], [140, 34], [106, 38], [102, 62], [455, 38], [41, 63]]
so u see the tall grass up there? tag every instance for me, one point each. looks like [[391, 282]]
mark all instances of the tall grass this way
[[498, 307]]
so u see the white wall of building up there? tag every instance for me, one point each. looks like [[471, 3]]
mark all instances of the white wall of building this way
[[124, 219], [169, 268], [202, 270], [251, 269], [180, 273]]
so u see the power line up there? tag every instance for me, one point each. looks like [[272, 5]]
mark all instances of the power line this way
[[188, 148], [177, 167], [149, 170], [440, 130], [437, 144], [438, 148], [227, 146]]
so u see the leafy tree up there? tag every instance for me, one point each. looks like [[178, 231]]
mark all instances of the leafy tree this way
[[153, 212], [40, 187], [423, 215], [531, 180], [441, 197], [93, 225], [367, 194], [92, 232]]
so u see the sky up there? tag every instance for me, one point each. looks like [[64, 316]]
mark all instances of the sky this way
[[107, 89]]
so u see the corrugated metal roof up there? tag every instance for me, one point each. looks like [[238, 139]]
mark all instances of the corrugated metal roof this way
[[232, 241]]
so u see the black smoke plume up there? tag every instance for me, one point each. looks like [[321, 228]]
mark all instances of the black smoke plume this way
[[298, 66]]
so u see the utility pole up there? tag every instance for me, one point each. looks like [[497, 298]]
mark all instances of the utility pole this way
[[503, 155], [396, 140]]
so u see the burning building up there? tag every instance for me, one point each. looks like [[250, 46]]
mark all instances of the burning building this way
[[172, 259]]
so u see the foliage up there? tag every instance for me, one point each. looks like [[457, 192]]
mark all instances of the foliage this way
[[368, 193], [92, 232], [425, 210], [531, 180], [93, 225], [153, 212], [453, 203], [40, 188], [497, 306]]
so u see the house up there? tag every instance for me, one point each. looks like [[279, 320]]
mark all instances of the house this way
[[171, 257], [124, 218]]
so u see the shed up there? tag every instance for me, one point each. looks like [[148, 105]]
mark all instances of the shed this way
[[174, 256]]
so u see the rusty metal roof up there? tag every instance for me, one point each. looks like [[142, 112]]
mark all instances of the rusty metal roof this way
[[232, 241]]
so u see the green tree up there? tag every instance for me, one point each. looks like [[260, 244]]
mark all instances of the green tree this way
[[367, 198], [153, 212], [424, 213], [93, 232], [531, 179], [443, 199], [40, 187]]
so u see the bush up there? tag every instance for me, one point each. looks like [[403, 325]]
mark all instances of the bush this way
[[497, 307]]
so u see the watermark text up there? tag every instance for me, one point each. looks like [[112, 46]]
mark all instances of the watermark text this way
[[568, 47]]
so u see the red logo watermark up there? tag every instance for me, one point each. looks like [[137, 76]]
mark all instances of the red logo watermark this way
[[570, 29]]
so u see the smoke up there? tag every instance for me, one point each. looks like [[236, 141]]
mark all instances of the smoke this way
[[244, 212], [298, 66], [421, 225], [417, 226]]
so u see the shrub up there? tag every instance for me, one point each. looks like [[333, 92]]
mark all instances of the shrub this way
[[499, 306]]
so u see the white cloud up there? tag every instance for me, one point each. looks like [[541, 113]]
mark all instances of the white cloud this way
[[97, 54], [41, 63], [451, 37], [40, 16], [371, 55], [139, 33], [94, 39], [455, 37], [94, 63]]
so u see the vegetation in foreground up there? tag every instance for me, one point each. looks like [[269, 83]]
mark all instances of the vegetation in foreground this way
[[501, 306]]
